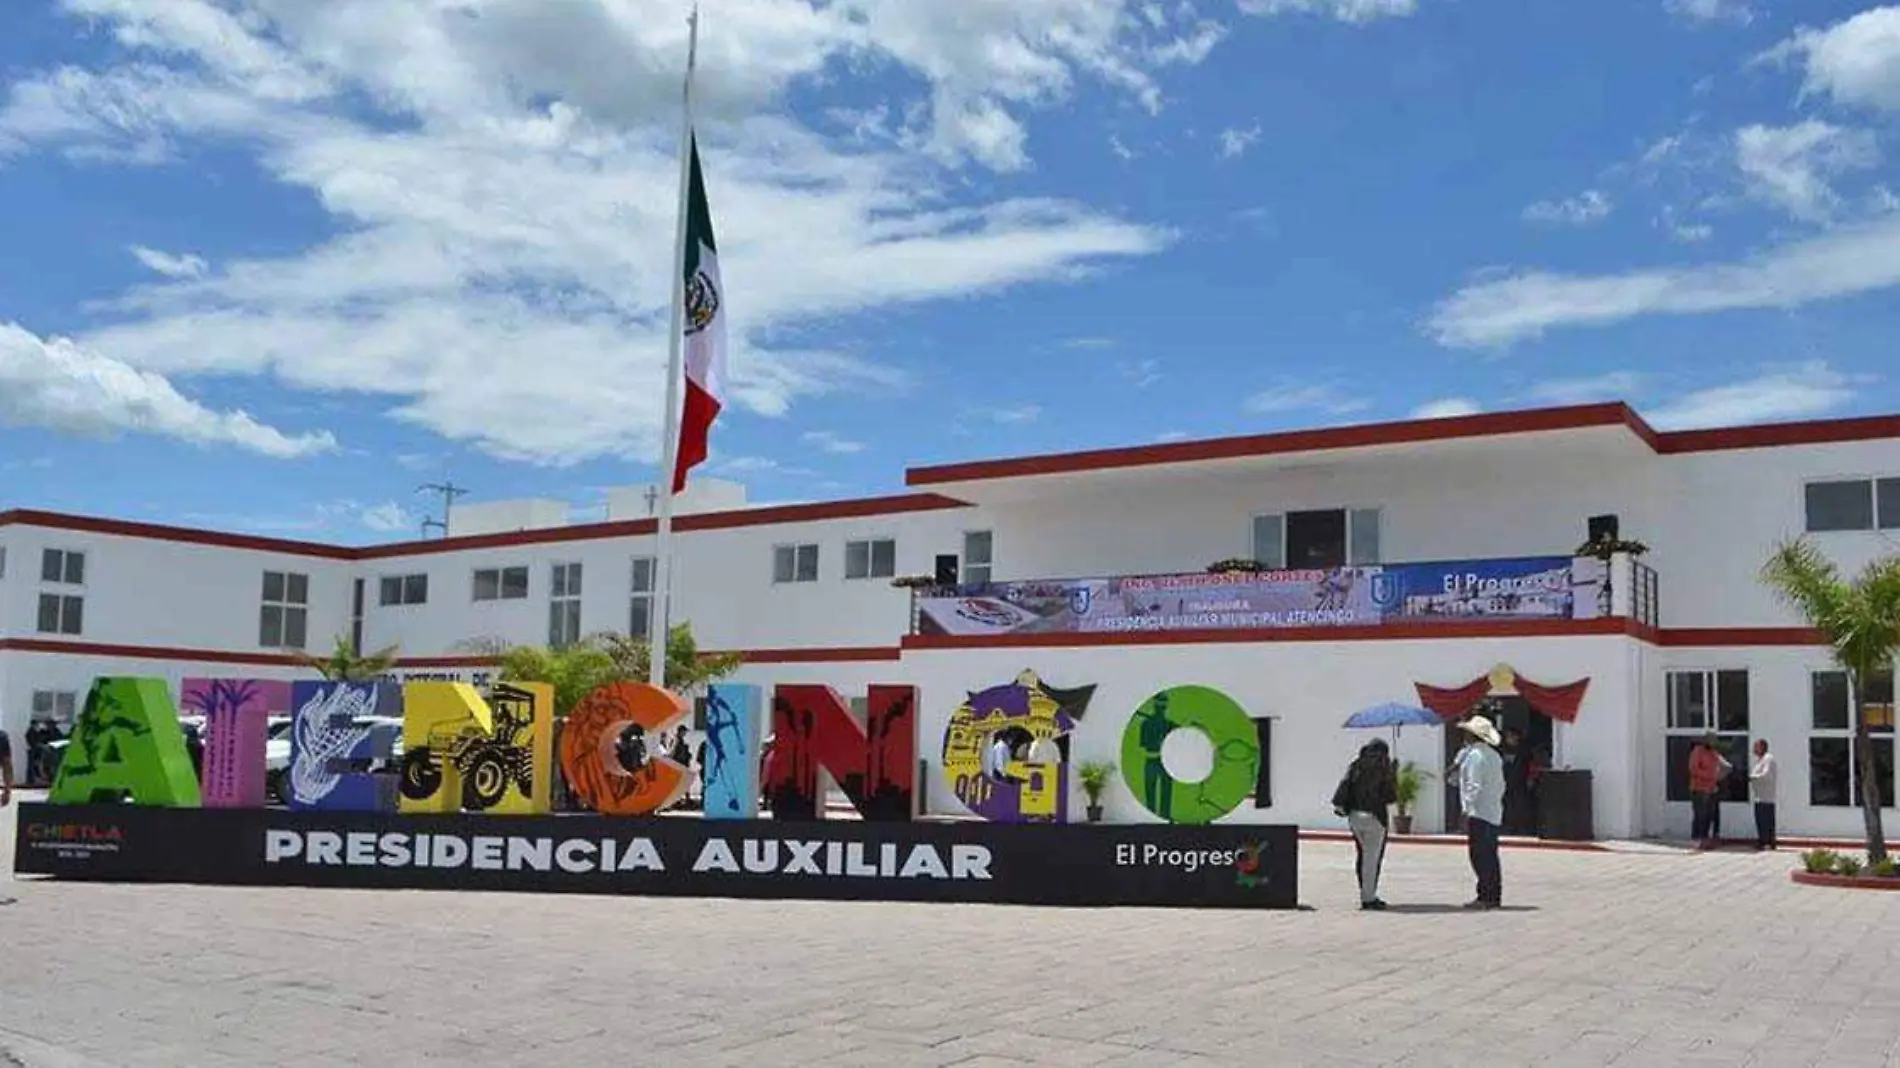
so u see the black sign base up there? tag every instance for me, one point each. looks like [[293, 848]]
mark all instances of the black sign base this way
[[1228, 866]]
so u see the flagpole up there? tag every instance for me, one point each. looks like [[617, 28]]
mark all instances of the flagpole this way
[[661, 623]]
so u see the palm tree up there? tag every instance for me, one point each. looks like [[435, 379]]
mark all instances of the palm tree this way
[[578, 669], [345, 664], [1861, 620]]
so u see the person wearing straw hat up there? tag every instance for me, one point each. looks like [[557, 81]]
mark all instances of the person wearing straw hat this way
[[1481, 793]]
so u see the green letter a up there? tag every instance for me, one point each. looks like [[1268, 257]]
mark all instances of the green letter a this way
[[127, 744]]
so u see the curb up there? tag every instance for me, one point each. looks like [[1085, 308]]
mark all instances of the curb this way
[[1459, 841], [1845, 882]]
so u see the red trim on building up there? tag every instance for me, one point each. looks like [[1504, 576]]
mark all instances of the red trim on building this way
[[1518, 628], [1410, 431], [814, 655], [1739, 636], [745, 517], [1782, 435]]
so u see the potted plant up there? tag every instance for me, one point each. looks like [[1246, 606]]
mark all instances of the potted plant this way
[[1603, 548], [1094, 775], [1411, 783], [1237, 565]]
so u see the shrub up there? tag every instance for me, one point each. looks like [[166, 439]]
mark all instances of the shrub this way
[[1847, 864], [1886, 868], [1819, 861]]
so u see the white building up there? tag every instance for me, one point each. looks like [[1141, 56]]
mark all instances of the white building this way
[[804, 591]]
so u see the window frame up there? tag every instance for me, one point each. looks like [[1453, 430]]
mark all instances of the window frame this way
[[1736, 788], [968, 565], [640, 599], [1351, 512], [52, 709], [1847, 734], [66, 557], [285, 607], [870, 543], [68, 608], [1873, 483], [565, 594], [797, 549], [501, 573], [403, 582]]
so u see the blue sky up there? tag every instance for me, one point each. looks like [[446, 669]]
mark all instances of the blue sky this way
[[270, 264]]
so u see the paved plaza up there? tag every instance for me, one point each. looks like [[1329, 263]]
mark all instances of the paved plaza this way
[[1642, 957]]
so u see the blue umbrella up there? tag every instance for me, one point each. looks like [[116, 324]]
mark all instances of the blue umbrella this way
[[1392, 714]]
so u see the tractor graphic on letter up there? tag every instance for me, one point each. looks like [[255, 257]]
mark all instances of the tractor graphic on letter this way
[[486, 763]]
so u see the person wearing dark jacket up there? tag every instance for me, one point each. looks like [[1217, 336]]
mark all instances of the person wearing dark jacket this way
[[1365, 794]]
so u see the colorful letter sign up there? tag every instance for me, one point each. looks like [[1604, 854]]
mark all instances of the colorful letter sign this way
[[127, 745], [646, 779], [1039, 717], [237, 725], [875, 767], [1236, 754], [338, 731], [730, 766], [461, 752]]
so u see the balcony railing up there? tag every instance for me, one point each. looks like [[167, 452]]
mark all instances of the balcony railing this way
[[1527, 589]]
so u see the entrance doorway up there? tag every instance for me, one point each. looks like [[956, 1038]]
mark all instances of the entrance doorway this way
[[1528, 743]]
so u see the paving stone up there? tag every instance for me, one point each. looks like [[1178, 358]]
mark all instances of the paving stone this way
[[1624, 958]]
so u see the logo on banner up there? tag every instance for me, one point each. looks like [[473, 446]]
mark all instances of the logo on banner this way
[[702, 302], [1249, 867], [1079, 600], [1387, 590]]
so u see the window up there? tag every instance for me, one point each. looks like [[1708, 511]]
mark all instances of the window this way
[[405, 590], [564, 605], [56, 705], [283, 621], [640, 622], [501, 584], [1700, 702], [62, 614], [1833, 764], [794, 563], [1335, 537], [3, 561], [1853, 504], [875, 558], [63, 566], [979, 547], [356, 615]]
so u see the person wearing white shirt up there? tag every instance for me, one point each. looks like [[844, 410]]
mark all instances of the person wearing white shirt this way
[[1762, 776], [1481, 793], [996, 758]]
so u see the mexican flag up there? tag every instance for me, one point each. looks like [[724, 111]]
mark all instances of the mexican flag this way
[[705, 324]]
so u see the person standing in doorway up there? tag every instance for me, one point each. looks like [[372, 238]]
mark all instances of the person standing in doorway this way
[[6, 769], [1762, 781], [1707, 771], [1365, 796], [1481, 794]]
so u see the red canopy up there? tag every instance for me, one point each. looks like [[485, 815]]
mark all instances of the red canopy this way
[[1557, 702]]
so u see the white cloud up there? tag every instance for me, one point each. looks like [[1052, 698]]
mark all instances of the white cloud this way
[[495, 277], [1587, 207], [387, 518], [826, 441], [1609, 386], [58, 385], [1791, 167], [1295, 397], [1447, 408], [1525, 304], [1804, 391], [1141, 373], [1343, 10], [1234, 143], [1014, 416], [1089, 343], [1121, 149], [1735, 11], [1167, 436], [184, 265], [1856, 61]]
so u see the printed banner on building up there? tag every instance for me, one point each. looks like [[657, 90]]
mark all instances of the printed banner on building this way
[[1550, 587], [1226, 866]]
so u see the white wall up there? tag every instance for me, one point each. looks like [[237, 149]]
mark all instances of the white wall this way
[[1309, 687]]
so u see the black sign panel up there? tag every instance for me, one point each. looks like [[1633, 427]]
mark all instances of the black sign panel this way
[[1073, 864]]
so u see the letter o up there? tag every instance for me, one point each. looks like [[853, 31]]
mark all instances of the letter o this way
[[1236, 754]]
